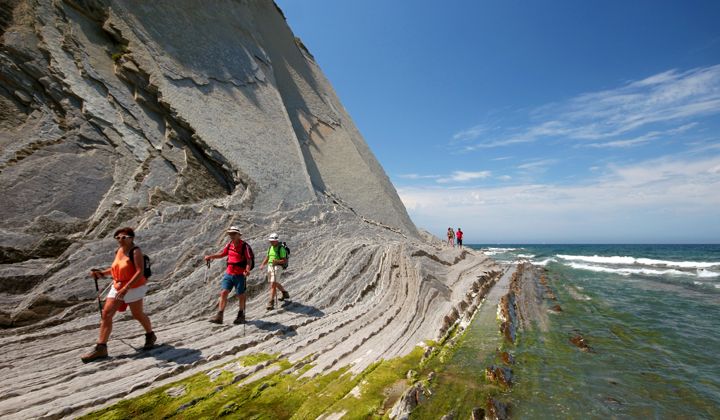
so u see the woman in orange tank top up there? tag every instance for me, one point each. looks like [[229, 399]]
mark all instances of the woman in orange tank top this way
[[128, 289]]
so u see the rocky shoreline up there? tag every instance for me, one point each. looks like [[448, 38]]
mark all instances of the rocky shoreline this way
[[475, 376], [376, 303], [247, 385]]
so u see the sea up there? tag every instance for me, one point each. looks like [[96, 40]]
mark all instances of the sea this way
[[651, 316]]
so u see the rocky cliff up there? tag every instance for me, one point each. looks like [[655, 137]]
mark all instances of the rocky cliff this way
[[181, 118]]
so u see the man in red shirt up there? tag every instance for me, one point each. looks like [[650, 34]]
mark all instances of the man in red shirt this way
[[238, 267], [459, 235]]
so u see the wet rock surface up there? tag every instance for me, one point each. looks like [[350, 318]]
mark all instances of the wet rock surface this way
[[525, 306], [410, 399], [496, 410], [506, 357], [579, 341], [500, 375], [477, 413]]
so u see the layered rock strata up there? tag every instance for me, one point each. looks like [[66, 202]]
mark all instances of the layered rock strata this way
[[182, 118]]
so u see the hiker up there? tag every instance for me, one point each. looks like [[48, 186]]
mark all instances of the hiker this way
[[275, 259], [128, 288], [451, 237], [239, 263], [459, 235]]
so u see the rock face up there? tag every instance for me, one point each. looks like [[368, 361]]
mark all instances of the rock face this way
[[181, 118], [113, 112]]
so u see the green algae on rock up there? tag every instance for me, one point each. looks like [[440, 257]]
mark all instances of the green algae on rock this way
[[285, 392]]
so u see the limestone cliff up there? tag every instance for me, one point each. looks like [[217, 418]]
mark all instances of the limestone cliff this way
[[181, 118], [110, 109]]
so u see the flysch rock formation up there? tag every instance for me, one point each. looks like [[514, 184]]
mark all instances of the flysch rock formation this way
[[181, 118]]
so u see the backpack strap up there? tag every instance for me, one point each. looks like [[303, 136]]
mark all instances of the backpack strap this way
[[132, 255], [132, 258]]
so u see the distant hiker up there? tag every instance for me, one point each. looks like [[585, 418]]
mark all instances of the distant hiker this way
[[239, 263], [275, 259], [459, 235], [451, 237], [128, 288]]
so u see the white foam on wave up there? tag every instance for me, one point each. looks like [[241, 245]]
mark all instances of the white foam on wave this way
[[544, 262], [629, 271], [707, 274], [495, 251], [618, 260], [527, 256]]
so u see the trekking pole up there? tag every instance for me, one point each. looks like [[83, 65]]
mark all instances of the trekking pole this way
[[275, 283], [207, 273], [97, 290], [207, 269]]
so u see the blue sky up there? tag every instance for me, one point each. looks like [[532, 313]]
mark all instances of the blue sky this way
[[534, 122]]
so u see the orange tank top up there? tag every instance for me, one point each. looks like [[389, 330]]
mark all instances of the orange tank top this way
[[123, 271]]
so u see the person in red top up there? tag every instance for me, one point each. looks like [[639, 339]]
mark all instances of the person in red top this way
[[459, 235], [128, 288], [238, 267]]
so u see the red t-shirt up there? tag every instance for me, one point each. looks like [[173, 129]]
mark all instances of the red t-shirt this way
[[239, 254], [459, 234]]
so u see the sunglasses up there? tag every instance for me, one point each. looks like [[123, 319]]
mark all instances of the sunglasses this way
[[121, 237]]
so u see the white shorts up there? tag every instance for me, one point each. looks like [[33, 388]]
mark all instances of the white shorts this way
[[131, 296], [274, 272]]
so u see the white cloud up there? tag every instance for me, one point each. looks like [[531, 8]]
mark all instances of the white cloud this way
[[660, 199], [418, 176], [471, 133], [463, 176], [537, 164], [662, 99]]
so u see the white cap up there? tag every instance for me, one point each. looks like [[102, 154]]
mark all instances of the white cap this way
[[233, 229], [273, 237]]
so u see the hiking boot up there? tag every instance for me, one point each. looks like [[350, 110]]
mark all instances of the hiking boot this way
[[99, 352], [217, 319], [285, 295], [150, 339], [240, 318], [270, 305]]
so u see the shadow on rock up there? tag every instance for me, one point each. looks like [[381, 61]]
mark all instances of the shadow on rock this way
[[281, 330], [167, 352], [299, 308]]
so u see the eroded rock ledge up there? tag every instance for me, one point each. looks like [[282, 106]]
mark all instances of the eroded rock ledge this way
[[181, 118]]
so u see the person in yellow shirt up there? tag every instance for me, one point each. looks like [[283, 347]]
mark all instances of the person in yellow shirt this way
[[275, 259]]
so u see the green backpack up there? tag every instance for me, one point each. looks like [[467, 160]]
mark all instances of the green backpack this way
[[281, 246]]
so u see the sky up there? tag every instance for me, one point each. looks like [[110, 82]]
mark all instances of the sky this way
[[534, 122]]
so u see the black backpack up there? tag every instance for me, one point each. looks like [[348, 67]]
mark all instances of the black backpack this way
[[283, 245], [147, 268], [252, 257]]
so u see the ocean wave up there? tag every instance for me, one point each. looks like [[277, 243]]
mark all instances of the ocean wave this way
[[618, 260], [544, 262], [702, 273], [526, 256], [629, 271], [495, 251]]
